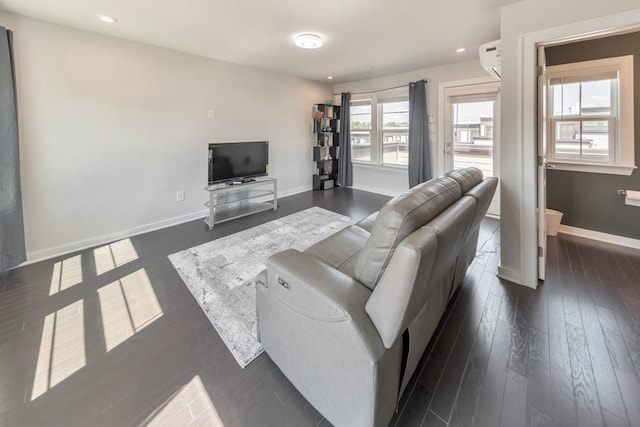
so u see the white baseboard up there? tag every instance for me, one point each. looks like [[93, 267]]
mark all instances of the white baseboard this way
[[599, 236], [79, 245], [374, 190], [296, 190]]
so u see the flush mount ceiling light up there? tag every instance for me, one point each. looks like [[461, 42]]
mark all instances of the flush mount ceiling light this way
[[330, 77], [108, 19], [460, 50], [308, 41]]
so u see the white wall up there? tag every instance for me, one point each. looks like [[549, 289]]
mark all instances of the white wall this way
[[111, 129], [518, 217], [392, 181]]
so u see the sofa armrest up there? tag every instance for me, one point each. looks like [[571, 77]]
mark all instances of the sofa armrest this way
[[313, 325], [320, 292]]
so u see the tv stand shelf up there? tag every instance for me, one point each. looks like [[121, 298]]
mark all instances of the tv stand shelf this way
[[231, 201]]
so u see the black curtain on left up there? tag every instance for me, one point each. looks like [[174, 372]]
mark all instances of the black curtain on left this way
[[12, 246]]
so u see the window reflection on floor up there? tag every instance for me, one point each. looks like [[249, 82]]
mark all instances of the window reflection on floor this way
[[127, 306], [114, 255], [61, 348], [190, 406], [66, 274]]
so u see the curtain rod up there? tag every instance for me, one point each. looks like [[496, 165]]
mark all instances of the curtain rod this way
[[381, 90]]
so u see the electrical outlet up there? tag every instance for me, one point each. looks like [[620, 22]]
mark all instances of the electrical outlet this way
[[180, 196], [211, 114]]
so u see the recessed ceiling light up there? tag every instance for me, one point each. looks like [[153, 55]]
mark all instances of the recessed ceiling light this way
[[308, 41], [108, 19], [330, 77], [460, 50]]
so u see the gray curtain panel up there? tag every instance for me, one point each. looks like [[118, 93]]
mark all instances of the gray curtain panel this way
[[12, 247], [419, 146], [345, 167]]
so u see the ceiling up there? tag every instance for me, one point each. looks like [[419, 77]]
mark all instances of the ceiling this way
[[363, 38]]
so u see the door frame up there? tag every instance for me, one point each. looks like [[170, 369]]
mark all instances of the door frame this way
[[443, 105], [583, 30]]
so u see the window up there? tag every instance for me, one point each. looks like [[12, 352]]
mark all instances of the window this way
[[380, 129], [590, 116]]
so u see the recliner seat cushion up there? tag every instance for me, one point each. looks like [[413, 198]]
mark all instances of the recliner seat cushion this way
[[397, 219]]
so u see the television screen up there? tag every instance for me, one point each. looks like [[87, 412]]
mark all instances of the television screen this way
[[237, 160]]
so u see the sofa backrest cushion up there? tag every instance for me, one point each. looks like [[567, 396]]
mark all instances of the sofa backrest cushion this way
[[467, 178], [397, 219]]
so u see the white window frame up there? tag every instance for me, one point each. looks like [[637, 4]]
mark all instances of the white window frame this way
[[377, 130], [621, 121]]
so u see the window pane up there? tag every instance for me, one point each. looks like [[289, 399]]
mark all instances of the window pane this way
[[595, 137], [360, 116], [596, 98], [583, 140], [360, 145], [360, 131], [566, 99], [395, 115], [473, 135], [395, 148], [567, 140]]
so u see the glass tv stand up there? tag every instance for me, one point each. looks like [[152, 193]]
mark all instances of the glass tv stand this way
[[229, 201]]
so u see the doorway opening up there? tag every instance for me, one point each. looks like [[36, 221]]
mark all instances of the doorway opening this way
[[586, 140]]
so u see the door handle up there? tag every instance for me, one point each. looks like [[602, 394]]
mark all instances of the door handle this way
[[448, 148]]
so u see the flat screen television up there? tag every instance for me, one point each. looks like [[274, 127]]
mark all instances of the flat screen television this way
[[238, 161]]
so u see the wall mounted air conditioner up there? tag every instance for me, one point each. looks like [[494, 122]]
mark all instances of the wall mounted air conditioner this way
[[490, 57]]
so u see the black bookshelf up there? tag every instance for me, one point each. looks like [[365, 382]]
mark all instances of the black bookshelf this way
[[326, 149]]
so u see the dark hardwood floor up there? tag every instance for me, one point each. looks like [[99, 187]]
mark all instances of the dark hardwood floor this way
[[567, 354]]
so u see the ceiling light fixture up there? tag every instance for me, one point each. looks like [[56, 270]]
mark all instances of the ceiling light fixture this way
[[330, 77], [460, 50], [108, 19], [308, 41]]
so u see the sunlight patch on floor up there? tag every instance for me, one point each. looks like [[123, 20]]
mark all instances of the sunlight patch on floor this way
[[191, 406], [114, 255], [66, 274], [127, 306], [62, 348]]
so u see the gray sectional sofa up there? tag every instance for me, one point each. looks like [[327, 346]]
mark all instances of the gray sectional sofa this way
[[348, 319]]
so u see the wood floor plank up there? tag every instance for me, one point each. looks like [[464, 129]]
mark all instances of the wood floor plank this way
[[563, 401], [584, 386], [432, 420], [415, 411], [625, 373], [538, 376], [514, 406], [611, 420], [607, 386], [432, 372], [449, 384], [466, 403], [520, 335], [489, 407], [536, 418]]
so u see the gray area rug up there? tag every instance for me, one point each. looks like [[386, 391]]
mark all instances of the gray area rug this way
[[221, 274]]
